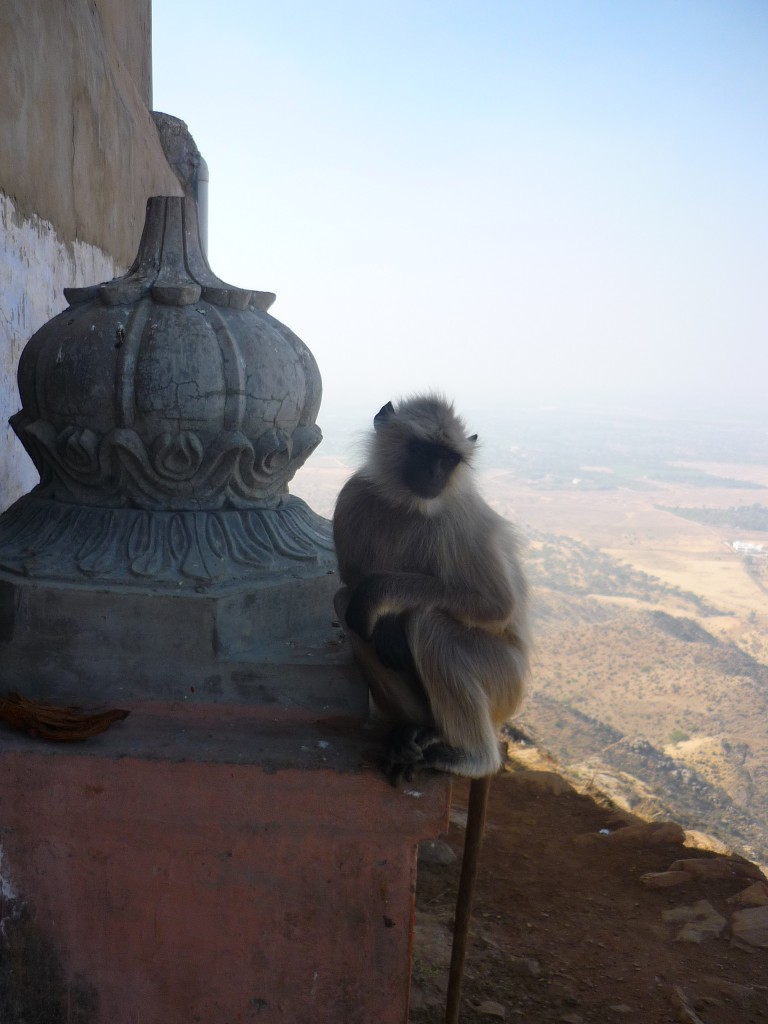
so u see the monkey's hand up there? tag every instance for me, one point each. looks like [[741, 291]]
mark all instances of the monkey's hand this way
[[390, 593], [391, 644]]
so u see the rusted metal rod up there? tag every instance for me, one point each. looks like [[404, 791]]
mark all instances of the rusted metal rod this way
[[479, 791]]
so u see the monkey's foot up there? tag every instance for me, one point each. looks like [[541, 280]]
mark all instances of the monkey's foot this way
[[405, 754], [412, 748], [416, 748]]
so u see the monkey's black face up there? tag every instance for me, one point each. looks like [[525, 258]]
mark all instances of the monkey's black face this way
[[427, 467]]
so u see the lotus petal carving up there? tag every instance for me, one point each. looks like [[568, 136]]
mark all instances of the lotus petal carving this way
[[178, 456]]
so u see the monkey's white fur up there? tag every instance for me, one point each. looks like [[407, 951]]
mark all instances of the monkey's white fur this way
[[450, 564]]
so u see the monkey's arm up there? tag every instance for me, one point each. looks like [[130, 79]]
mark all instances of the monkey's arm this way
[[390, 593]]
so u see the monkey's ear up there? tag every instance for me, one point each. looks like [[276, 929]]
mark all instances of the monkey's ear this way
[[472, 438], [384, 413]]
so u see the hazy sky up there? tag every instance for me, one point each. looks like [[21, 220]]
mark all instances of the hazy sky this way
[[549, 200]]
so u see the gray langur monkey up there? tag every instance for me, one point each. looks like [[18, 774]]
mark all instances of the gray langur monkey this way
[[434, 599]]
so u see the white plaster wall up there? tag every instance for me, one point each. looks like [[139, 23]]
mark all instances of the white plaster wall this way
[[35, 267]]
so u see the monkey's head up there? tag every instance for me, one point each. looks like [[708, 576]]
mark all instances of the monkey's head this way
[[420, 451]]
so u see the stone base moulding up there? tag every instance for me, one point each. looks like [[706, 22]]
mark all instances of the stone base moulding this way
[[272, 644], [54, 540]]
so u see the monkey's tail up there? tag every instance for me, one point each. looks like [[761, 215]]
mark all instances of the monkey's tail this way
[[479, 791]]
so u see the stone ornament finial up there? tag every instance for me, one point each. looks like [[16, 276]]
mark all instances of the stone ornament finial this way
[[166, 412], [170, 266]]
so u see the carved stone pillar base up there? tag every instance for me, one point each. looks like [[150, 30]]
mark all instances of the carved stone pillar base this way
[[129, 547]]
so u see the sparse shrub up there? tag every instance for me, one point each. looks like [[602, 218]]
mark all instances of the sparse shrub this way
[[678, 736]]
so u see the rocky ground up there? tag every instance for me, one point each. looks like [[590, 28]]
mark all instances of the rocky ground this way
[[585, 916]]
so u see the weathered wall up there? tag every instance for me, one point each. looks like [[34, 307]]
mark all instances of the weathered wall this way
[[80, 148], [80, 155], [128, 25], [35, 267]]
